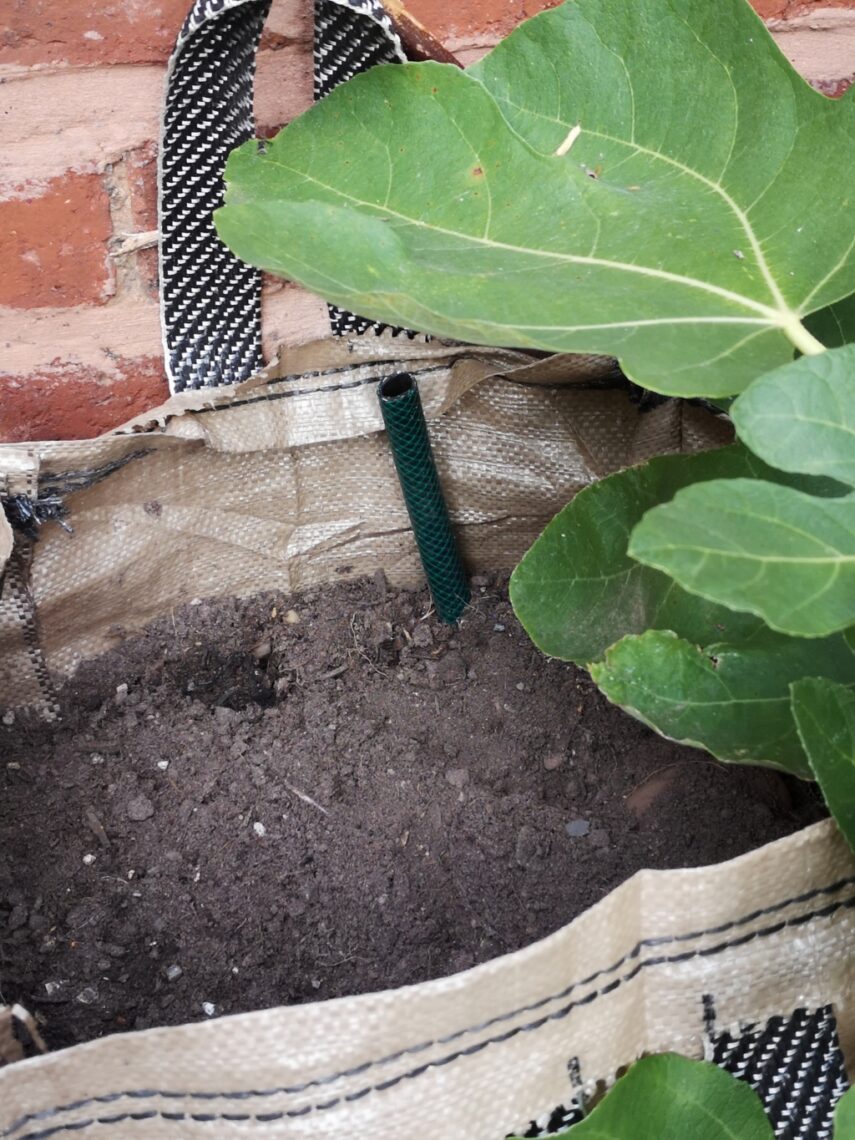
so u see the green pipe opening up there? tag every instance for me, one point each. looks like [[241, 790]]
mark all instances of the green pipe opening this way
[[407, 431]]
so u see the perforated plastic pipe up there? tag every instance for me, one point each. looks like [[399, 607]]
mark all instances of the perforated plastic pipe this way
[[404, 418]]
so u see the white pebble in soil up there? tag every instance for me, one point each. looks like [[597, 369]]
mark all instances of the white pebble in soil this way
[[259, 829], [208, 1008]]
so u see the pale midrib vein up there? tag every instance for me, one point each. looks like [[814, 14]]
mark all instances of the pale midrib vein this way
[[834, 560], [805, 604], [693, 702], [814, 421], [772, 315], [731, 350], [739, 213], [630, 325], [710, 183], [828, 277]]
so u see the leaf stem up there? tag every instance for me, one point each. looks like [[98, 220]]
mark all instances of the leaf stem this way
[[804, 341]]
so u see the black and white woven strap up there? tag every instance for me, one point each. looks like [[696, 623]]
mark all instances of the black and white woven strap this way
[[794, 1064], [211, 301], [350, 38]]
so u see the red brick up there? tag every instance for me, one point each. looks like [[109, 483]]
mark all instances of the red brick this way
[[89, 31], [834, 88], [494, 18], [53, 245], [142, 178], [142, 184], [786, 9], [473, 18], [73, 403]]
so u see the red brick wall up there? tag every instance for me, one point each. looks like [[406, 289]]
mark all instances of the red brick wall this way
[[82, 89]]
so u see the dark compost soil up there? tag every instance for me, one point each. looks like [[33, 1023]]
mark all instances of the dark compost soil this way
[[280, 800]]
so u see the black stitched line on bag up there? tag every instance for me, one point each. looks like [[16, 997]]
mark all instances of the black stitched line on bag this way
[[73, 481], [289, 392], [471, 1050], [604, 384]]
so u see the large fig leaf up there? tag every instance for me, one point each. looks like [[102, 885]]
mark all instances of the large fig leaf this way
[[777, 552], [825, 715], [577, 590], [716, 678], [650, 179], [802, 417], [668, 1097], [732, 700]]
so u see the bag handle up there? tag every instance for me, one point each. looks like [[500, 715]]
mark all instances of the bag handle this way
[[210, 301]]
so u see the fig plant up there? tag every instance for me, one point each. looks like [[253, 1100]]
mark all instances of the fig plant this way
[[653, 181], [668, 1097]]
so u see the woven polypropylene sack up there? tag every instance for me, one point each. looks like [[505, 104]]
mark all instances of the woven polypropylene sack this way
[[281, 479]]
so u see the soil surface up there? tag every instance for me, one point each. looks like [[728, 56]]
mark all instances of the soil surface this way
[[280, 800]]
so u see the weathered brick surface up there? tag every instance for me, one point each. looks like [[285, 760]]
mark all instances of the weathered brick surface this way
[[786, 9], [82, 99], [142, 188], [74, 403], [53, 248], [481, 18], [81, 120], [89, 31]]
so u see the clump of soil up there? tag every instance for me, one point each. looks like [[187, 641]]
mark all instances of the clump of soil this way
[[281, 800]]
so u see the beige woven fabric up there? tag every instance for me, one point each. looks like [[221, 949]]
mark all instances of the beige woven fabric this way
[[477, 1055], [286, 482]]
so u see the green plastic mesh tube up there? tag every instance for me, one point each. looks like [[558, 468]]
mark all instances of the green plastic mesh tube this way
[[411, 450]]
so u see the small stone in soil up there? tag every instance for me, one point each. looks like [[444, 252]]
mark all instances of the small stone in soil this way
[[139, 808], [259, 829], [173, 973], [9, 718], [208, 1008], [552, 761], [87, 996], [451, 669], [422, 636], [17, 918], [88, 860], [163, 765], [527, 848], [576, 828], [457, 777]]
